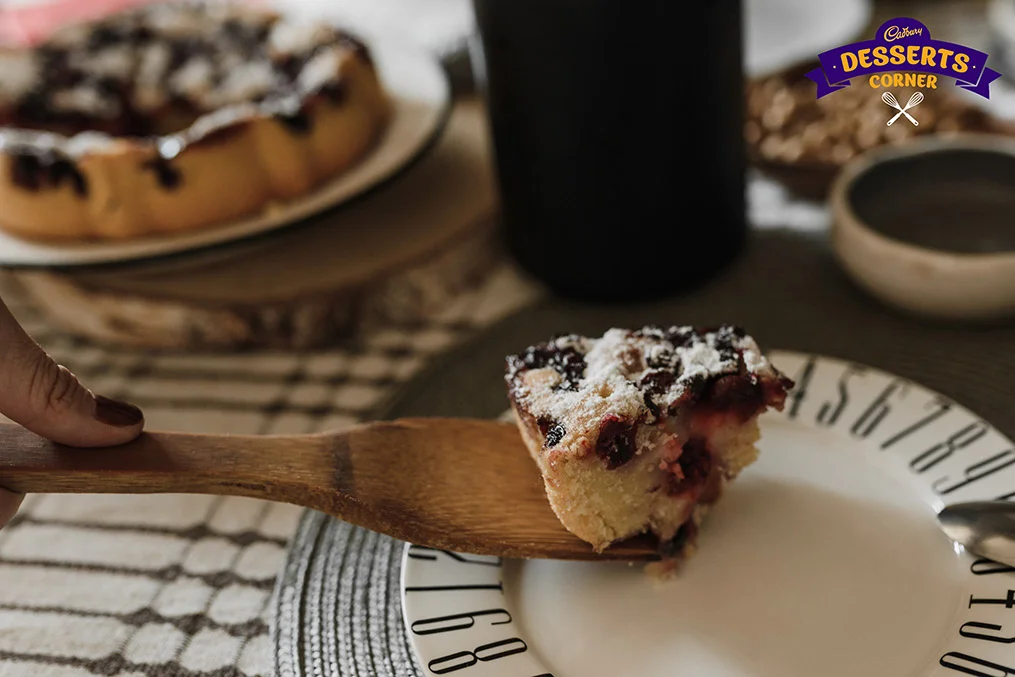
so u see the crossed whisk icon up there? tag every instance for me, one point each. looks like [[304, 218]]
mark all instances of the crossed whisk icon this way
[[914, 100]]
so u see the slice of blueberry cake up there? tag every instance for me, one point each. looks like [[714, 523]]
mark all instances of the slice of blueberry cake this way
[[640, 430]]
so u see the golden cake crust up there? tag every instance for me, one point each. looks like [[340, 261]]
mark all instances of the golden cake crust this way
[[311, 107]]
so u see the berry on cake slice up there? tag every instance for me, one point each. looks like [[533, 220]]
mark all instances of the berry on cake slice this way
[[640, 430]]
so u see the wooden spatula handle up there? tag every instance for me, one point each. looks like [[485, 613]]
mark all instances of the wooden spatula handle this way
[[261, 466], [450, 484]]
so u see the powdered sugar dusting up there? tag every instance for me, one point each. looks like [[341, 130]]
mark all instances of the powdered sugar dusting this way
[[20, 74], [319, 70], [606, 385], [88, 142], [218, 119], [115, 62], [176, 20], [753, 359], [86, 99], [153, 64], [149, 92], [702, 359], [74, 34], [247, 81], [628, 374], [195, 79], [290, 37]]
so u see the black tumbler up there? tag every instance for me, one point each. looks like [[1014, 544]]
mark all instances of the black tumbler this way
[[617, 130]]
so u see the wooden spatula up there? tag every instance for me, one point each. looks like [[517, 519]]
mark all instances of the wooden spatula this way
[[454, 484]]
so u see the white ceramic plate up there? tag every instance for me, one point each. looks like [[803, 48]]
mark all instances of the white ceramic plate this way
[[421, 96], [823, 559], [999, 44], [782, 33]]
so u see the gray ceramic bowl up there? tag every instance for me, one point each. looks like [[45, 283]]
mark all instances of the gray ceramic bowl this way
[[929, 226]]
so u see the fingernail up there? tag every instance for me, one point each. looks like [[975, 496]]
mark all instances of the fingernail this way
[[10, 501], [115, 412]]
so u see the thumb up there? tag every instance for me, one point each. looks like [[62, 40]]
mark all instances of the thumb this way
[[47, 399]]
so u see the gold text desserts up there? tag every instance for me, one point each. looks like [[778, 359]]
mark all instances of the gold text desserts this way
[[176, 117], [639, 431]]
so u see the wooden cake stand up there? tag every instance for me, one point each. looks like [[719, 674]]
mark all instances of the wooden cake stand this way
[[399, 254]]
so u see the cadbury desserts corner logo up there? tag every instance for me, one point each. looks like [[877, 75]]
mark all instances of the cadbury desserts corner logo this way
[[902, 54]]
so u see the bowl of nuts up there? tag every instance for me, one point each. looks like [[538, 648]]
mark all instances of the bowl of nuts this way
[[803, 141], [927, 226]]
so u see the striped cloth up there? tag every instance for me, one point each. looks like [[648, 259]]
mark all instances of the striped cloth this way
[[178, 585]]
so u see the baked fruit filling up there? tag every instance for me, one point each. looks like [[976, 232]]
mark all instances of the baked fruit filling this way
[[175, 116], [640, 430]]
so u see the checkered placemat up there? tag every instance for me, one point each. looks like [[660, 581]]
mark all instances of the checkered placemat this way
[[180, 585]]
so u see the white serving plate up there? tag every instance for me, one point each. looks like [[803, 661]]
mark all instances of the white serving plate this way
[[782, 33]]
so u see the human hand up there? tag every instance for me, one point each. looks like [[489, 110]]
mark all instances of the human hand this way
[[47, 399]]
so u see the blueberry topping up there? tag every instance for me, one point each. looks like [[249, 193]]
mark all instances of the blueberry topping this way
[[551, 430], [649, 331], [732, 390], [657, 382], [554, 435], [616, 443], [104, 35], [567, 362], [725, 342], [290, 66], [168, 176], [34, 169], [234, 30], [298, 123], [682, 337], [695, 465], [678, 336], [335, 91], [694, 388], [108, 86], [662, 357], [142, 34], [652, 406]]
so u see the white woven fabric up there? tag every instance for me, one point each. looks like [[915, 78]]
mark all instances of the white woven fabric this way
[[179, 585]]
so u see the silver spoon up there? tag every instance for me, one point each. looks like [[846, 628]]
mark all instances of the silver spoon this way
[[984, 528]]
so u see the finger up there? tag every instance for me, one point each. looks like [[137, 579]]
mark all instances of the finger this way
[[9, 504], [49, 400]]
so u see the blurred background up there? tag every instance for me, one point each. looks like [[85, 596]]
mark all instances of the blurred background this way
[[794, 145], [558, 147]]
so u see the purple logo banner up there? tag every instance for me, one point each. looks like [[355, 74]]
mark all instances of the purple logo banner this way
[[903, 44]]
